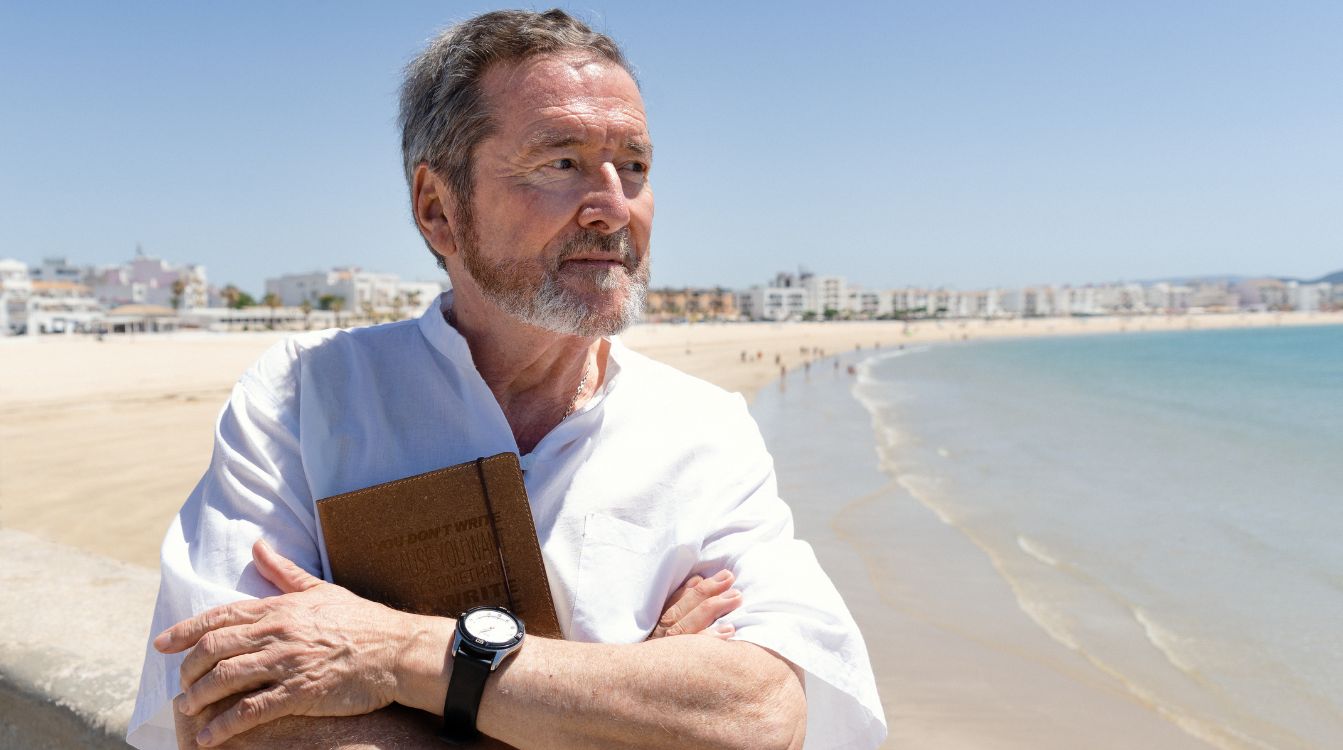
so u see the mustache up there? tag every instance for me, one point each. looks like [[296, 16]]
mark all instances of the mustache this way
[[591, 241]]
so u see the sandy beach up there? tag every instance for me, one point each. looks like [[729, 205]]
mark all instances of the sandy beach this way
[[100, 442]]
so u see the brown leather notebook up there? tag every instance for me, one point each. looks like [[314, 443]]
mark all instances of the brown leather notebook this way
[[438, 544], [442, 542]]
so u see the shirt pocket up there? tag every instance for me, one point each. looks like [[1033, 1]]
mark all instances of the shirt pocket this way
[[620, 571]]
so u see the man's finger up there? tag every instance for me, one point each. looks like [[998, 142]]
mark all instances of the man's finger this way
[[706, 612], [216, 646], [228, 677], [723, 631], [253, 710], [287, 576], [690, 597], [680, 593], [695, 590], [186, 633]]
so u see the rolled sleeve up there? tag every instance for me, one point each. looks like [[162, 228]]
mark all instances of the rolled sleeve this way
[[790, 605]]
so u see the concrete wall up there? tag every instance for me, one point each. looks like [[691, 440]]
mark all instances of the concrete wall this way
[[73, 628]]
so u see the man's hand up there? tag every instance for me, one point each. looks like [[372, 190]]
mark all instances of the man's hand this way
[[695, 607], [316, 650]]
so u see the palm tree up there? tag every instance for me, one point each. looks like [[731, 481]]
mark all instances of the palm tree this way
[[231, 295], [306, 307], [179, 288], [271, 300], [336, 304]]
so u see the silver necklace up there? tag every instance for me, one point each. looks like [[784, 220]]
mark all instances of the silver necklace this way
[[578, 391]]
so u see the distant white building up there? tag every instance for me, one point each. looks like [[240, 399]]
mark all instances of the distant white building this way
[[774, 303], [57, 305], [1169, 298], [1207, 297], [1309, 297], [872, 304], [1121, 299], [58, 268], [910, 301], [357, 290], [978, 304], [147, 280], [1071, 300], [63, 314], [1262, 294], [15, 288], [827, 295]]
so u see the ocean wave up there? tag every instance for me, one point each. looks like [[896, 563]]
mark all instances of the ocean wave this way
[[865, 366], [1036, 550], [1167, 641]]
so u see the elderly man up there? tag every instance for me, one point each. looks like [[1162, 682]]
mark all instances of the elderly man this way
[[528, 156]]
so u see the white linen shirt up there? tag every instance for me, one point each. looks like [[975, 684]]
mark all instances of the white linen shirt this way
[[658, 477]]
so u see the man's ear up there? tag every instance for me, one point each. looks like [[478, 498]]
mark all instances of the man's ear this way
[[432, 201]]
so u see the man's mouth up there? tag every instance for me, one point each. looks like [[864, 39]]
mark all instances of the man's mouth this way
[[596, 261]]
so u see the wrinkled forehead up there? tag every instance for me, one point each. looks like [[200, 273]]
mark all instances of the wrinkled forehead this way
[[574, 91]]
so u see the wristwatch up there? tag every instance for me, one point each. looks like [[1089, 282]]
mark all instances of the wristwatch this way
[[485, 637]]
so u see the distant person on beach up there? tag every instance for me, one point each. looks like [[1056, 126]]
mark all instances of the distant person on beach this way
[[692, 617]]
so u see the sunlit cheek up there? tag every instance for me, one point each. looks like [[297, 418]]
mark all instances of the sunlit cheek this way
[[539, 212]]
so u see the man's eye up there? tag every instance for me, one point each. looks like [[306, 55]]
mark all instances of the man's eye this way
[[637, 166], [563, 164]]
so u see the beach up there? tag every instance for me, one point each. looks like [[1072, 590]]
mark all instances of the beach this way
[[101, 441]]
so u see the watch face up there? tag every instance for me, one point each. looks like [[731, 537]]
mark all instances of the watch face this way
[[492, 626]]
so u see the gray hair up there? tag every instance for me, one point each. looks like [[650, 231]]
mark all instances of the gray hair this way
[[444, 115]]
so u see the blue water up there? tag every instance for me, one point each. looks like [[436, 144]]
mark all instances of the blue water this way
[[1170, 505]]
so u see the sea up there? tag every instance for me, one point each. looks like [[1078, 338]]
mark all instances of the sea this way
[[1169, 505]]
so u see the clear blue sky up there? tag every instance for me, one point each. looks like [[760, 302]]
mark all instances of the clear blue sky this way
[[951, 143]]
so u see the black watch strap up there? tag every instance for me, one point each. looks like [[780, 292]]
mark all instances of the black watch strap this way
[[465, 688]]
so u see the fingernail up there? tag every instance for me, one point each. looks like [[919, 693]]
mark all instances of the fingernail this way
[[730, 594], [203, 738], [161, 640], [723, 575]]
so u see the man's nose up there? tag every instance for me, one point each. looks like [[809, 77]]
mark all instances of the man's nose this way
[[605, 207]]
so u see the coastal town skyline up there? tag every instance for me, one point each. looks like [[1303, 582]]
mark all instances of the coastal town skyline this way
[[152, 294], [431, 275]]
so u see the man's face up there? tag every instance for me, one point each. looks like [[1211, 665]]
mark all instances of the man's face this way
[[558, 228]]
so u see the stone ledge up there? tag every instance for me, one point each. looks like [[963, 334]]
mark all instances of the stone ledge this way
[[72, 640]]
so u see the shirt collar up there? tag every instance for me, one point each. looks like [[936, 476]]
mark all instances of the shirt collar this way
[[452, 345], [443, 337]]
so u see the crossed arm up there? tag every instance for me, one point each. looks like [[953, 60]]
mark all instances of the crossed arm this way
[[317, 650]]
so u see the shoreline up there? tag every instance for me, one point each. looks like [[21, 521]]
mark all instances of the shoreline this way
[[959, 664]]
